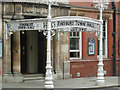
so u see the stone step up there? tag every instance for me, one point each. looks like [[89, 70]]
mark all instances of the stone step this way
[[33, 77]]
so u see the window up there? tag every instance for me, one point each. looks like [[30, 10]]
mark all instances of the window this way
[[104, 40], [75, 45]]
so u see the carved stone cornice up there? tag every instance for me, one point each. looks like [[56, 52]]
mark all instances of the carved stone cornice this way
[[89, 10], [80, 13], [77, 13], [105, 16]]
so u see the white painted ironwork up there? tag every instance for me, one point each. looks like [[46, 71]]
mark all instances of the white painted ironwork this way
[[28, 24], [75, 23], [62, 24], [101, 5], [48, 77]]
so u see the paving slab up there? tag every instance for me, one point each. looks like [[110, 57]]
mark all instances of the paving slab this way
[[71, 83]]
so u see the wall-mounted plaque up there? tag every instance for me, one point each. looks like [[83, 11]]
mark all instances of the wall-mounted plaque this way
[[91, 46], [0, 48]]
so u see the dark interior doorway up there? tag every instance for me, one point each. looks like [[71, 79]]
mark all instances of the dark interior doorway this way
[[42, 45], [33, 52], [23, 51], [11, 53]]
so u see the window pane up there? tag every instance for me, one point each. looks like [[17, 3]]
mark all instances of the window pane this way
[[103, 34], [74, 44], [74, 33], [78, 34], [103, 29], [103, 46], [97, 47], [74, 54]]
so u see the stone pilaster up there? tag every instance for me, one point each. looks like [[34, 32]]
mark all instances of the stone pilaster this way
[[57, 56], [64, 51], [8, 76], [16, 58], [8, 11], [61, 53], [7, 54], [16, 53]]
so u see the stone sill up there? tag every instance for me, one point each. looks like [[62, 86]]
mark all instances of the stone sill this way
[[87, 60]]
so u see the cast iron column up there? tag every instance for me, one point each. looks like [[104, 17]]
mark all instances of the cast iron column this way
[[49, 78], [101, 4]]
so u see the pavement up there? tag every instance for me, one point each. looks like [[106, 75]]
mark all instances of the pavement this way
[[71, 83]]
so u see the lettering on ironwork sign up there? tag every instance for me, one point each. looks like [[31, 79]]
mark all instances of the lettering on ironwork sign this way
[[0, 48], [26, 26], [91, 46], [75, 25], [62, 24]]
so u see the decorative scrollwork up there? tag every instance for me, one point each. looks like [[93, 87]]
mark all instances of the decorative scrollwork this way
[[45, 32], [98, 34], [52, 32]]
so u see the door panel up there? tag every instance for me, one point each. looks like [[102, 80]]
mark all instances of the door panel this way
[[41, 53], [32, 51]]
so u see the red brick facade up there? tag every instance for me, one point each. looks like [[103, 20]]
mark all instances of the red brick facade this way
[[87, 66]]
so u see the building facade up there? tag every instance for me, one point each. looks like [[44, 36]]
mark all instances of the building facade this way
[[73, 54], [25, 52], [86, 63]]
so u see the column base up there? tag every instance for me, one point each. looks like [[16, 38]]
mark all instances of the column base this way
[[12, 78], [49, 85], [66, 72], [100, 82]]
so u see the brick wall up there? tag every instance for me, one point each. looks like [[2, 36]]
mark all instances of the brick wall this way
[[90, 4], [89, 68], [110, 38]]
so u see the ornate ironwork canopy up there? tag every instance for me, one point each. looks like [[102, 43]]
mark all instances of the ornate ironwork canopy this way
[[86, 24], [62, 24]]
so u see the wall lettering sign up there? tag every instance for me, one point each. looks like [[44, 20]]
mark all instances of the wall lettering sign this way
[[91, 46]]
